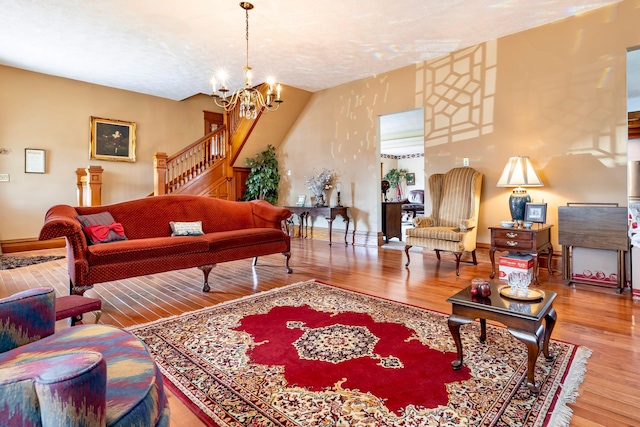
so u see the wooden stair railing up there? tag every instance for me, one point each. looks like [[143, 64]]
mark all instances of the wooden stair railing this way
[[174, 172], [219, 148]]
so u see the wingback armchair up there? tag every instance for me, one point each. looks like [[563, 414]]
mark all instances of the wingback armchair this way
[[90, 375], [453, 223]]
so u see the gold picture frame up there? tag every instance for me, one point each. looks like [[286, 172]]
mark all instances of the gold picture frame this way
[[113, 140]]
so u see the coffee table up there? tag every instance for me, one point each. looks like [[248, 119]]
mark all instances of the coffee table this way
[[523, 319]]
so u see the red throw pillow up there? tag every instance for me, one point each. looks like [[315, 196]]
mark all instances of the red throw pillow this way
[[101, 228]]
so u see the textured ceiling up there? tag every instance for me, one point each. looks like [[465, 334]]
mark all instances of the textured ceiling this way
[[402, 133], [171, 48]]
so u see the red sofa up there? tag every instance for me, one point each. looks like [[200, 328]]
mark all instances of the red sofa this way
[[232, 231]]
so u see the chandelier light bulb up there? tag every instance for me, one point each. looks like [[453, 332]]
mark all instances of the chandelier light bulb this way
[[271, 81], [248, 100]]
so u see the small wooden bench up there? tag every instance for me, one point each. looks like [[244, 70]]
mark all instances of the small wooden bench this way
[[75, 306]]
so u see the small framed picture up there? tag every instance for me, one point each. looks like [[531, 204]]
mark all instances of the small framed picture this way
[[535, 212], [34, 160], [301, 200], [113, 140], [411, 178]]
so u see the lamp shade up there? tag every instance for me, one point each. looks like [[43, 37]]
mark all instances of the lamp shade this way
[[519, 172]]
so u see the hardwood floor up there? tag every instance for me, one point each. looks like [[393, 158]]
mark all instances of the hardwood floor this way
[[592, 316]]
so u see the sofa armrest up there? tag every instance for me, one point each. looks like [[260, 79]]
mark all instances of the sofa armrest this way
[[423, 221], [54, 390], [26, 316], [60, 221], [267, 215]]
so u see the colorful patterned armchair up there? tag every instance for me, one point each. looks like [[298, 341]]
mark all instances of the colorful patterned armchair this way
[[90, 375], [452, 226]]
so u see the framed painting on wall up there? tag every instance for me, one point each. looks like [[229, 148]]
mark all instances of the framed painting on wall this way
[[113, 140], [411, 178]]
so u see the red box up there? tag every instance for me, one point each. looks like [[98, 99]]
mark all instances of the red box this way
[[515, 263]]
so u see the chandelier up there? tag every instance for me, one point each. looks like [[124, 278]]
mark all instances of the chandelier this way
[[247, 99]]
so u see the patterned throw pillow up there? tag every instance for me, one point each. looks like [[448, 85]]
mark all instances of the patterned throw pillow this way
[[101, 228], [186, 228]]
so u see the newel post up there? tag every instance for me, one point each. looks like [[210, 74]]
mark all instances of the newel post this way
[[81, 180], [160, 173], [94, 179]]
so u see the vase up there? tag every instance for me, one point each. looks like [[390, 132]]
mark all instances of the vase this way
[[319, 200]]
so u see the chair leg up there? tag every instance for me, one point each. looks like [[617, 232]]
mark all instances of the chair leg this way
[[437, 254], [406, 251], [458, 255], [475, 260]]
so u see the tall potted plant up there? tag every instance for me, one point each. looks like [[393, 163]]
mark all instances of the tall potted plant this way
[[395, 177], [264, 178]]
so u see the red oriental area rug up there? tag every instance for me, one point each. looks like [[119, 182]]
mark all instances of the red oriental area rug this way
[[312, 354]]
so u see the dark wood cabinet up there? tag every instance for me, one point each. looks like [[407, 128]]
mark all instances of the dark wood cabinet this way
[[392, 220]]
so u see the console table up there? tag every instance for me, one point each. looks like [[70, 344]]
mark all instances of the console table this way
[[531, 241], [329, 213]]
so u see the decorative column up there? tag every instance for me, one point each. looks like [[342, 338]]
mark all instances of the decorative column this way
[[81, 181], [94, 181], [160, 173]]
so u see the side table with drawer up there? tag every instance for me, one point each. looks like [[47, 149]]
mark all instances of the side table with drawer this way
[[522, 241]]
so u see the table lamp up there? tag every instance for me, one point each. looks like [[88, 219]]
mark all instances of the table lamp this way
[[519, 173]]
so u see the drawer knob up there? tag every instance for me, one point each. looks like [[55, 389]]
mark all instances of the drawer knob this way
[[511, 243], [512, 235]]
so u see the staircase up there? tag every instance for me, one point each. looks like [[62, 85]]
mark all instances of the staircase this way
[[201, 168], [204, 168]]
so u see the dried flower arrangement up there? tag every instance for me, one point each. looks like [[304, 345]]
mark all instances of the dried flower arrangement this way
[[319, 183]]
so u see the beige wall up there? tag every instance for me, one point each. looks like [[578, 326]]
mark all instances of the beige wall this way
[[555, 93], [337, 130], [273, 127], [50, 113]]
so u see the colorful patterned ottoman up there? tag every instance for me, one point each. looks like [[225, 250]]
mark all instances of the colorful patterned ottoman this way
[[83, 375]]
